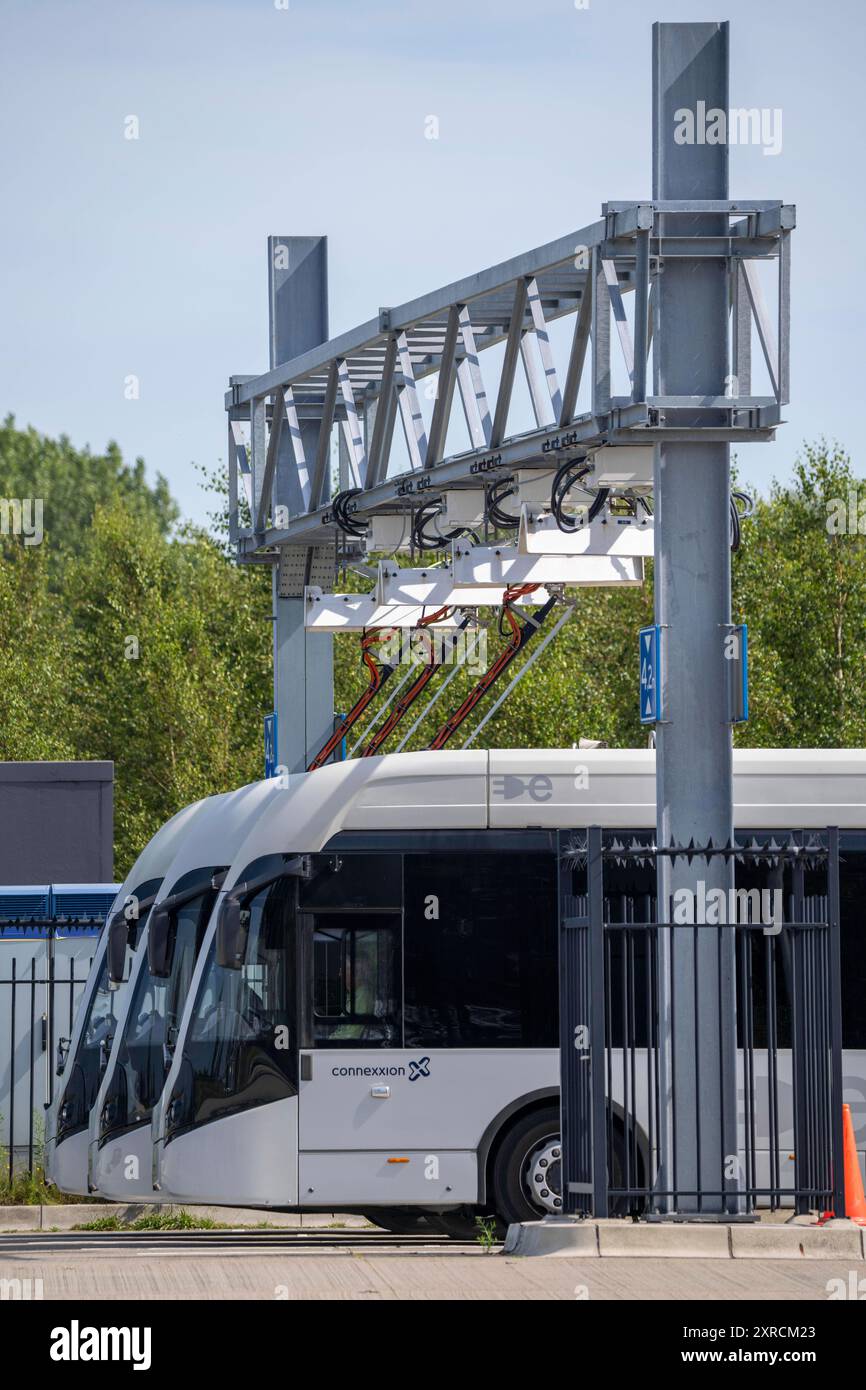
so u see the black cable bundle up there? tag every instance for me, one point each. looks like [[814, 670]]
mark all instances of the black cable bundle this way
[[568, 475], [500, 520], [351, 525], [424, 541], [737, 516]]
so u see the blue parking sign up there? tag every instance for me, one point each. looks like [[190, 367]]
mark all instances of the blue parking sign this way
[[270, 744], [649, 640]]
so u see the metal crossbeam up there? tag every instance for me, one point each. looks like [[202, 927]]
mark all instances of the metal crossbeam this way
[[362, 379], [436, 588], [362, 612], [505, 566]]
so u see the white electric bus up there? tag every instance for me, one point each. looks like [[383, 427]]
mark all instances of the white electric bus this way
[[81, 1059], [119, 1159], [372, 1021]]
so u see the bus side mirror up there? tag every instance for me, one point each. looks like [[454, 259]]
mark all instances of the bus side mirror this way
[[231, 934], [118, 935], [159, 941]]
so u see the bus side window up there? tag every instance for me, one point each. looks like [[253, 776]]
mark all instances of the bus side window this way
[[356, 980], [480, 943]]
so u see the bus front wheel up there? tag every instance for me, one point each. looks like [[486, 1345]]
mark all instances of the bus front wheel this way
[[527, 1170]]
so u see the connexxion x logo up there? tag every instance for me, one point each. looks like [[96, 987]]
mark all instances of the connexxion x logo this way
[[416, 1070]]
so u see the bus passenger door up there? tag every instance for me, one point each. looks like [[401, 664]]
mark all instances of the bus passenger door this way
[[369, 1108]]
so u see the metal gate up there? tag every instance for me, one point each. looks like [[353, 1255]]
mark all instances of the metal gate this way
[[43, 969], [616, 1127]]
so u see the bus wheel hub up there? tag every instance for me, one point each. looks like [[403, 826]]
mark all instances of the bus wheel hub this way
[[544, 1176]]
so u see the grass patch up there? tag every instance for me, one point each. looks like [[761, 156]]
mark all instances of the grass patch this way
[[31, 1189], [155, 1221], [486, 1233]]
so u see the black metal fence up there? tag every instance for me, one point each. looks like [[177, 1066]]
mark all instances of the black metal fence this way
[[620, 1116], [43, 969]]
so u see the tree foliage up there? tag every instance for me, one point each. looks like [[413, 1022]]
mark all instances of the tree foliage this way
[[125, 636]]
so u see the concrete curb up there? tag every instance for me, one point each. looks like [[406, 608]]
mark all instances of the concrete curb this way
[[837, 1241], [63, 1217], [700, 1241], [555, 1235], [20, 1218], [576, 1239]]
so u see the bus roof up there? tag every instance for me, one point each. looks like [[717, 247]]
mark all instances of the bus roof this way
[[520, 788]]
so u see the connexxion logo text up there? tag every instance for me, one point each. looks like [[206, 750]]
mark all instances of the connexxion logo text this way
[[416, 1070], [77, 1343]]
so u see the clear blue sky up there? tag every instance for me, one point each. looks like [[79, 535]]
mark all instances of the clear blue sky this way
[[148, 257]]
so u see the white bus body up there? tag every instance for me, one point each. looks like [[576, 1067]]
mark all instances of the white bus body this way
[[119, 1165], [96, 1017], [416, 1125]]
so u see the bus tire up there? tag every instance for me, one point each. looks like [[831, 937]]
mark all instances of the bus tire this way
[[536, 1136], [511, 1165], [401, 1221], [467, 1223]]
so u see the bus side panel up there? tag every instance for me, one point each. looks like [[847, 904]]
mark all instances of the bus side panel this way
[[122, 1169], [69, 1163], [400, 1101], [248, 1159], [408, 1177]]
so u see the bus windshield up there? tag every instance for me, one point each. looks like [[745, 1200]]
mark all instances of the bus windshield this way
[[241, 1047], [153, 1019], [97, 1035]]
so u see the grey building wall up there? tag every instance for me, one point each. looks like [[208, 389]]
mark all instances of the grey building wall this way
[[56, 822]]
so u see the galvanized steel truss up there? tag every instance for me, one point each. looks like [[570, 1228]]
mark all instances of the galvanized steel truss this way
[[362, 380]]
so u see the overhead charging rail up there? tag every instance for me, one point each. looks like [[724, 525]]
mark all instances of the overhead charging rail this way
[[522, 581]]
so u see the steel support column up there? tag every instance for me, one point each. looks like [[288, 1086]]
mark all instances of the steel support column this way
[[303, 662], [693, 606]]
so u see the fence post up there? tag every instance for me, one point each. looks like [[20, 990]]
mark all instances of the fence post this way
[[597, 1040], [803, 1149], [12, 1003], [574, 1081], [49, 1009], [833, 915]]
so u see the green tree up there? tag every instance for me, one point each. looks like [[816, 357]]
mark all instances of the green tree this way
[[124, 637], [800, 584], [72, 483], [36, 664], [175, 639]]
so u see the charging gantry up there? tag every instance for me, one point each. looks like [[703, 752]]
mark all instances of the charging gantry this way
[[522, 518]]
